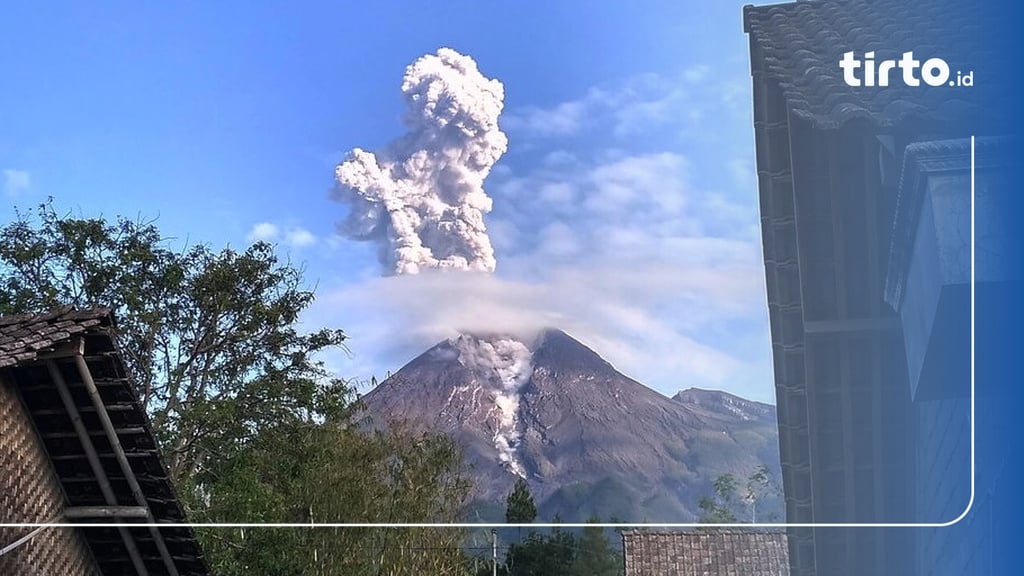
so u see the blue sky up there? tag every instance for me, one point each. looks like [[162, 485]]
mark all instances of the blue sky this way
[[625, 208]]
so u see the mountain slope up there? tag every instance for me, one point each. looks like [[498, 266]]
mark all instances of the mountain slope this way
[[588, 439], [727, 405]]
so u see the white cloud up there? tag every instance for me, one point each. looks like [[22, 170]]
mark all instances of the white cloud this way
[[263, 231], [294, 237], [649, 321], [743, 173], [643, 253], [557, 193], [656, 179], [504, 234], [300, 238], [559, 239], [564, 119], [16, 182], [556, 158], [621, 250], [642, 105], [619, 209], [697, 74]]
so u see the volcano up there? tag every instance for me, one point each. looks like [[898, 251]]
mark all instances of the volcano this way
[[589, 440]]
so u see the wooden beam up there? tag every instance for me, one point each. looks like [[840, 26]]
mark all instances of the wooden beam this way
[[95, 512], [122, 460], [74, 346], [94, 462], [851, 325], [120, 431]]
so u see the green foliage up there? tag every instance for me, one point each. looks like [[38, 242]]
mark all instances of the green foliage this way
[[542, 555], [715, 513], [719, 509], [252, 425], [725, 506], [594, 556], [760, 486], [520, 508], [208, 337], [561, 552], [351, 477]]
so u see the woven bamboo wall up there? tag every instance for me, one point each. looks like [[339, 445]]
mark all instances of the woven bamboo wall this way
[[29, 492]]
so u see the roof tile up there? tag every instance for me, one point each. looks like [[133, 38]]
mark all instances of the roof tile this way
[[706, 553], [802, 43], [22, 336]]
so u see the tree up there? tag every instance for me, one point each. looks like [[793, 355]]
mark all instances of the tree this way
[[384, 477], [209, 338], [718, 509], [563, 552], [252, 425], [724, 506], [595, 556], [520, 508], [759, 486], [540, 555]]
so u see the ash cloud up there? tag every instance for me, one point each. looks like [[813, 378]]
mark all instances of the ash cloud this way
[[509, 362], [421, 198], [663, 325]]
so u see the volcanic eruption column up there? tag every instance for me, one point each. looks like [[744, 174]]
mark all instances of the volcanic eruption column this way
[[421, 197], [422, 200]]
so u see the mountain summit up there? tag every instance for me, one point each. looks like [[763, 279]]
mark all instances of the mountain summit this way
[[726, 404], [588, 439]]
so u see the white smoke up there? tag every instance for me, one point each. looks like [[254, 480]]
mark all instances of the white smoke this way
[[422, 196], [510, 362]]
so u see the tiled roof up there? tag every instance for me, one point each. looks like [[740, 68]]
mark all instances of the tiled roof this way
[[801, 44], [25, 340], [23, 336], [706, 553]]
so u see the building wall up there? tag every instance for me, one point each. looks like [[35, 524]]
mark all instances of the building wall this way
[[844, 404], [965, 547], [30, 492], [942, 396]]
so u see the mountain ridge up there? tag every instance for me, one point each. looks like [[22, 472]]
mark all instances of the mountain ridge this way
[[588, 439]]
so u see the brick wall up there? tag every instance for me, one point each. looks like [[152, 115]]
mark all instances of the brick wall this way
[[29, 492]]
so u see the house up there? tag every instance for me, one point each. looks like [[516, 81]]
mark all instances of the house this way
[[711, 552], [76, 446], [929, 284], [861, 187]]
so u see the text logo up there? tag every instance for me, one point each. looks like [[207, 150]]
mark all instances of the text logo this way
[[933, 71]]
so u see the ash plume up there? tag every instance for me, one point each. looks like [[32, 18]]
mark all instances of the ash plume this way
[[421, 198], [509, 362]]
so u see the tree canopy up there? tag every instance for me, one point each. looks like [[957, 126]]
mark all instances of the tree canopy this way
[[252, 425], [520, 508], [554, 552], [726, 505], [209, 337]]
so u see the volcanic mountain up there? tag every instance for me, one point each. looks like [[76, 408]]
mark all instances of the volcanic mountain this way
[[589, 440]]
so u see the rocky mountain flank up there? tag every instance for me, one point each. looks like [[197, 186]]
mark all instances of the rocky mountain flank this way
[[588, 439]]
